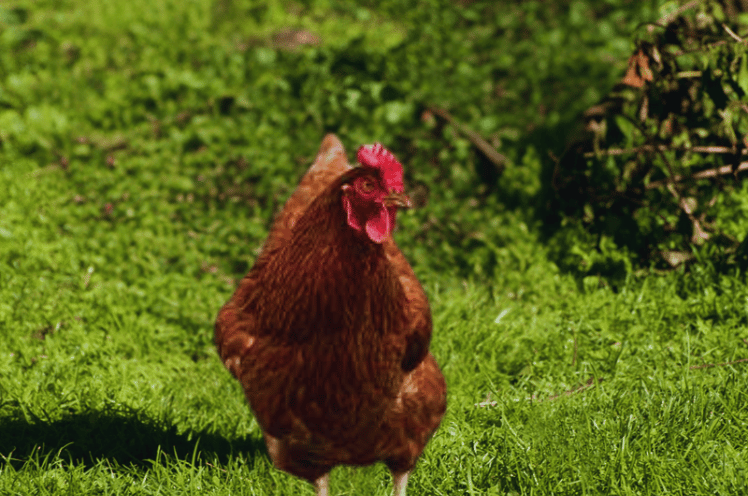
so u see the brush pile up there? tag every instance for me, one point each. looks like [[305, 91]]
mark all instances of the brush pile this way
[[660, 169]]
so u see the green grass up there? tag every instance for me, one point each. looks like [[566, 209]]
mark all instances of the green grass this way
[[140, 170]]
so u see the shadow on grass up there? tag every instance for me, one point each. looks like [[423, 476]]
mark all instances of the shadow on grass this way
[[124, 438]]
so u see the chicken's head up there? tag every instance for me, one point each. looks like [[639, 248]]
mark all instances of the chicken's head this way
[[372, 198]]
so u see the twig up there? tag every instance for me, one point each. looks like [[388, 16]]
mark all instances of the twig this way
[[732, 34], [476, 139], [714, 149], [704, 48], [574, 358], [582, 387], [667, 19], [218, 468], [699, 234], [719, 171], [671, 185], [651, 148], [688, 74], [709, 365], [591, 382]]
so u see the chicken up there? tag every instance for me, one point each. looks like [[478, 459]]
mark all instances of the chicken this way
[[329, 332]]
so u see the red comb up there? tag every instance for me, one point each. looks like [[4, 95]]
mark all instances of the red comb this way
[[377, 156]]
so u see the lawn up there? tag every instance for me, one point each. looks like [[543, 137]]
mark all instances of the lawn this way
[[144, 148]]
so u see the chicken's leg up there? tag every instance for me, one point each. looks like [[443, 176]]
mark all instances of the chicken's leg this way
[[399, 481], [322, 485]]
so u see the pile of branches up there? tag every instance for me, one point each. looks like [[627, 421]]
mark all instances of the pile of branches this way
[[660, 158]]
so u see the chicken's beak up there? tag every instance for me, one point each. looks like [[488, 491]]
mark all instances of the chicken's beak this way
[[397, 200]]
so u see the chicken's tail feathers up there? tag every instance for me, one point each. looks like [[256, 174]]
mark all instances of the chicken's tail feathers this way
[[330, 150], [330, 163]]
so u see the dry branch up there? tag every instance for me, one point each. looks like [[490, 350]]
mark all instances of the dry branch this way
[[476, 139], [652, 148], [723, 364], [705, 174], [591, 382], [668, 18], [732, 34], [658, 182]]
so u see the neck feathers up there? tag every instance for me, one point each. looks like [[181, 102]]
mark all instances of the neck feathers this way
[[326, 279]]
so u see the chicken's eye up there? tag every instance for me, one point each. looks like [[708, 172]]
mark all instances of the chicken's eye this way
[[366, 186]]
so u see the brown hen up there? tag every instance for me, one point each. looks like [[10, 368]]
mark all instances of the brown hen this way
[[329, 332]]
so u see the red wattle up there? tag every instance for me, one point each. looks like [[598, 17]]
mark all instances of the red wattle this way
[[380, 225]]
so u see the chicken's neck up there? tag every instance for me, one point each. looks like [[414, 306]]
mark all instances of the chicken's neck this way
[[328, 279]]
